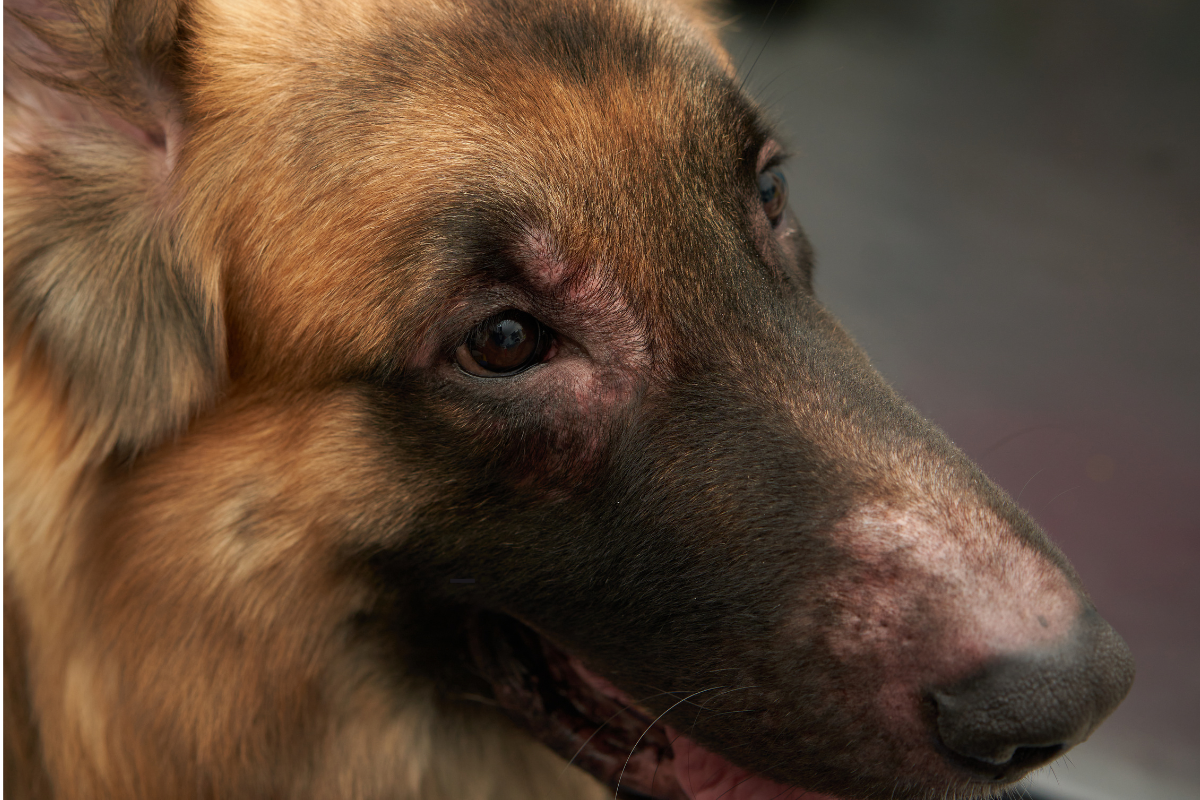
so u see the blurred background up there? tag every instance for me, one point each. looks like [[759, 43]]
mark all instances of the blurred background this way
[[1004, 198]]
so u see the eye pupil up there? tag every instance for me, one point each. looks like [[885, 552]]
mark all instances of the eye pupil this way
[[766, 187], [507, 334], [503, 345]]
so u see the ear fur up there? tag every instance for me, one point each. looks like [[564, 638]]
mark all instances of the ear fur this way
[[98, 288]]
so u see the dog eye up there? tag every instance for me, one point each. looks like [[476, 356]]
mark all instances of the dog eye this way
[[502, 345], [772, 189]]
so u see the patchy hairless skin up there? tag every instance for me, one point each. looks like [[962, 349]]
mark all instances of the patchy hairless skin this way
[[606, 377], [394, 384]]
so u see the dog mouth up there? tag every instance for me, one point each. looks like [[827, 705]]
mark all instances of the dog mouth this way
[[596, 727]]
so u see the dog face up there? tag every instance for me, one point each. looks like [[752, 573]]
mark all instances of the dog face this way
[[371, 360]]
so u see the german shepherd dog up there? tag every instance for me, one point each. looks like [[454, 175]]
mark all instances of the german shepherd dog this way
[[428, 399]]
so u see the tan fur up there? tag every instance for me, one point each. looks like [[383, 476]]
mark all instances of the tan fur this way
[[125, 261]]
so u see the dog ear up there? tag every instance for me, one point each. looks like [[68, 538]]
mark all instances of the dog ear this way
[[98, 287]]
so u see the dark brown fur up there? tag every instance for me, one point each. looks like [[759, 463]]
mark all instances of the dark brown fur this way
[[244, 476]]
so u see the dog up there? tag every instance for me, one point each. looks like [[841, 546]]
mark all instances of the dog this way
[[429, 399]]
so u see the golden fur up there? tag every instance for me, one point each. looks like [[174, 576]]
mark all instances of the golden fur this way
[[177, 319]]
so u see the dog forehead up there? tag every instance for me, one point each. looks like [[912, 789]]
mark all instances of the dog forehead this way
[[607, 134], [534, 99], [485, 82], [353, 143], [424, 40]]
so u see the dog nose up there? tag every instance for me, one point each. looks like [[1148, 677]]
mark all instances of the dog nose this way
[[1023, 710]]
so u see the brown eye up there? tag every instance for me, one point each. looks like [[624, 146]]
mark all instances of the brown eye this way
[[772, 190], [504, 344]]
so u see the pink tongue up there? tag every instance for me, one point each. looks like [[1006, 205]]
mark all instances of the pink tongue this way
[[706, 776]]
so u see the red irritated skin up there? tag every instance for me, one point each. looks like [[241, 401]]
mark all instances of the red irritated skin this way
[[396, 382]]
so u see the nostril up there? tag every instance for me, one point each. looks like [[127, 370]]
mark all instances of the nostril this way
[[978, 745], [1020, 761], [992, 745], [1027, 758], [1023, 710]]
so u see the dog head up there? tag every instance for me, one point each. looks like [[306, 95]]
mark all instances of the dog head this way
[[471, 349]]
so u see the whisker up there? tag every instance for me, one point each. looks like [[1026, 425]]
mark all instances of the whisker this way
[[648, 727], [766, 42], [602, 724], [1026, 486], [1060, 494], [1018, 434]]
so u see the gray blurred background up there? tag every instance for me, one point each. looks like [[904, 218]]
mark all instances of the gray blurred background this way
[[1004, 197]]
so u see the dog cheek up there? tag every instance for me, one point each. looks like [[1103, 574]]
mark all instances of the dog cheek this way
[[577, 425]]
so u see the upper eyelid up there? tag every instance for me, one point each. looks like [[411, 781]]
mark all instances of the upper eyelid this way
[[771, 154], [777, 160]]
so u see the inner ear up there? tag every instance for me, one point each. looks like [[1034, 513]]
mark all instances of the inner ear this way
[[97, 286]]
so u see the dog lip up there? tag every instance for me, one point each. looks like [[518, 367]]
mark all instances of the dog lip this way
[[698, 773], [705, 775], [535, 683], [596, 726]]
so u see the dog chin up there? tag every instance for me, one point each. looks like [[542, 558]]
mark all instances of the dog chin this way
[[597, 727]]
